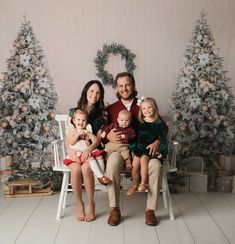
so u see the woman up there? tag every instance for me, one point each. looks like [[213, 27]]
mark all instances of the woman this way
[[92, 101]]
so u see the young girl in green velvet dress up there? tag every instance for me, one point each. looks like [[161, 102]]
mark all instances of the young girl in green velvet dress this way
[[150, 128]]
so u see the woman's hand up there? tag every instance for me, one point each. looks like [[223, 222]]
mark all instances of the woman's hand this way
[[114, 136], [73, 154], [153, 148], [85, 154]]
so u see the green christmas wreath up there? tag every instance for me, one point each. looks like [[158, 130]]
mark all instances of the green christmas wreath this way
[[102, 59]]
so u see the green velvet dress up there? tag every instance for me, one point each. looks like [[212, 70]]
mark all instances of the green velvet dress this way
[[147, 134]]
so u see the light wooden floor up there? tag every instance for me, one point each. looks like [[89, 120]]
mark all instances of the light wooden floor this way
[[200, 218]]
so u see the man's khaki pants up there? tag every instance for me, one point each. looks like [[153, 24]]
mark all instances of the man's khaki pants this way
[[115, 165], [111, 147]]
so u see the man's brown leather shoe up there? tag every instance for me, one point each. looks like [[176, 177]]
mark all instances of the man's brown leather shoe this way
[[150, 218], [114, 217]]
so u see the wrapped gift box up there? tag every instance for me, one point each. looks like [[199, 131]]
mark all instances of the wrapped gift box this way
[[194, 165], [198, 183], [37, 164], [5, 164], [221, 161], [184, 186], [225, 173], [223, 183], [227, 162], [233, 186]]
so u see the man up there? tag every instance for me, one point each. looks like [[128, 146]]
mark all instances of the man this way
[[126, 93]]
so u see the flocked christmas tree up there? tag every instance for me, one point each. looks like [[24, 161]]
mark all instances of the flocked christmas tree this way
[[1, 102], [27, 124], [202, 103]]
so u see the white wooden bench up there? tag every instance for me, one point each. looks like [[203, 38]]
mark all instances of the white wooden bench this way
[[59, 155]]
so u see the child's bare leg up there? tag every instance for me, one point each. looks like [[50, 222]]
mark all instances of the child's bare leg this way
[[135, 176], [136, 170], [144, 160], [144, 173], [76, 181]]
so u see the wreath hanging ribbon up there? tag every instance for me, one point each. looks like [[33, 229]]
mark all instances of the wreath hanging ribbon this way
[[102, 57]]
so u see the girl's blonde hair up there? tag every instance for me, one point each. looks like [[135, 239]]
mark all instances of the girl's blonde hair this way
[[155, 107], [76, 112], [80, 111]]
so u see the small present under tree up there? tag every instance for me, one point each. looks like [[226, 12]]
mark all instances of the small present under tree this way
[[28, 97], [202, 103]]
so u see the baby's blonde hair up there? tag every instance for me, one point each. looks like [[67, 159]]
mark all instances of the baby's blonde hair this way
[[125, 112], [153, 102]]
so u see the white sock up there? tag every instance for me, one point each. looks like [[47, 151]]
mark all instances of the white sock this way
[[101, 164], [95, 168]]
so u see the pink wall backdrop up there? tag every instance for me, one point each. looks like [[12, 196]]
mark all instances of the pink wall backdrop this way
[[157, 31]]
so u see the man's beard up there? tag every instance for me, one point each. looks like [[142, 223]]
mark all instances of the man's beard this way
[[129, 97]]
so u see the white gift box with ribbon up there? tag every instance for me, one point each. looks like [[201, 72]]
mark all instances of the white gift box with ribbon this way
[[5, 163]]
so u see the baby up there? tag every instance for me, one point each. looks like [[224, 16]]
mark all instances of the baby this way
[[127, 134]]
